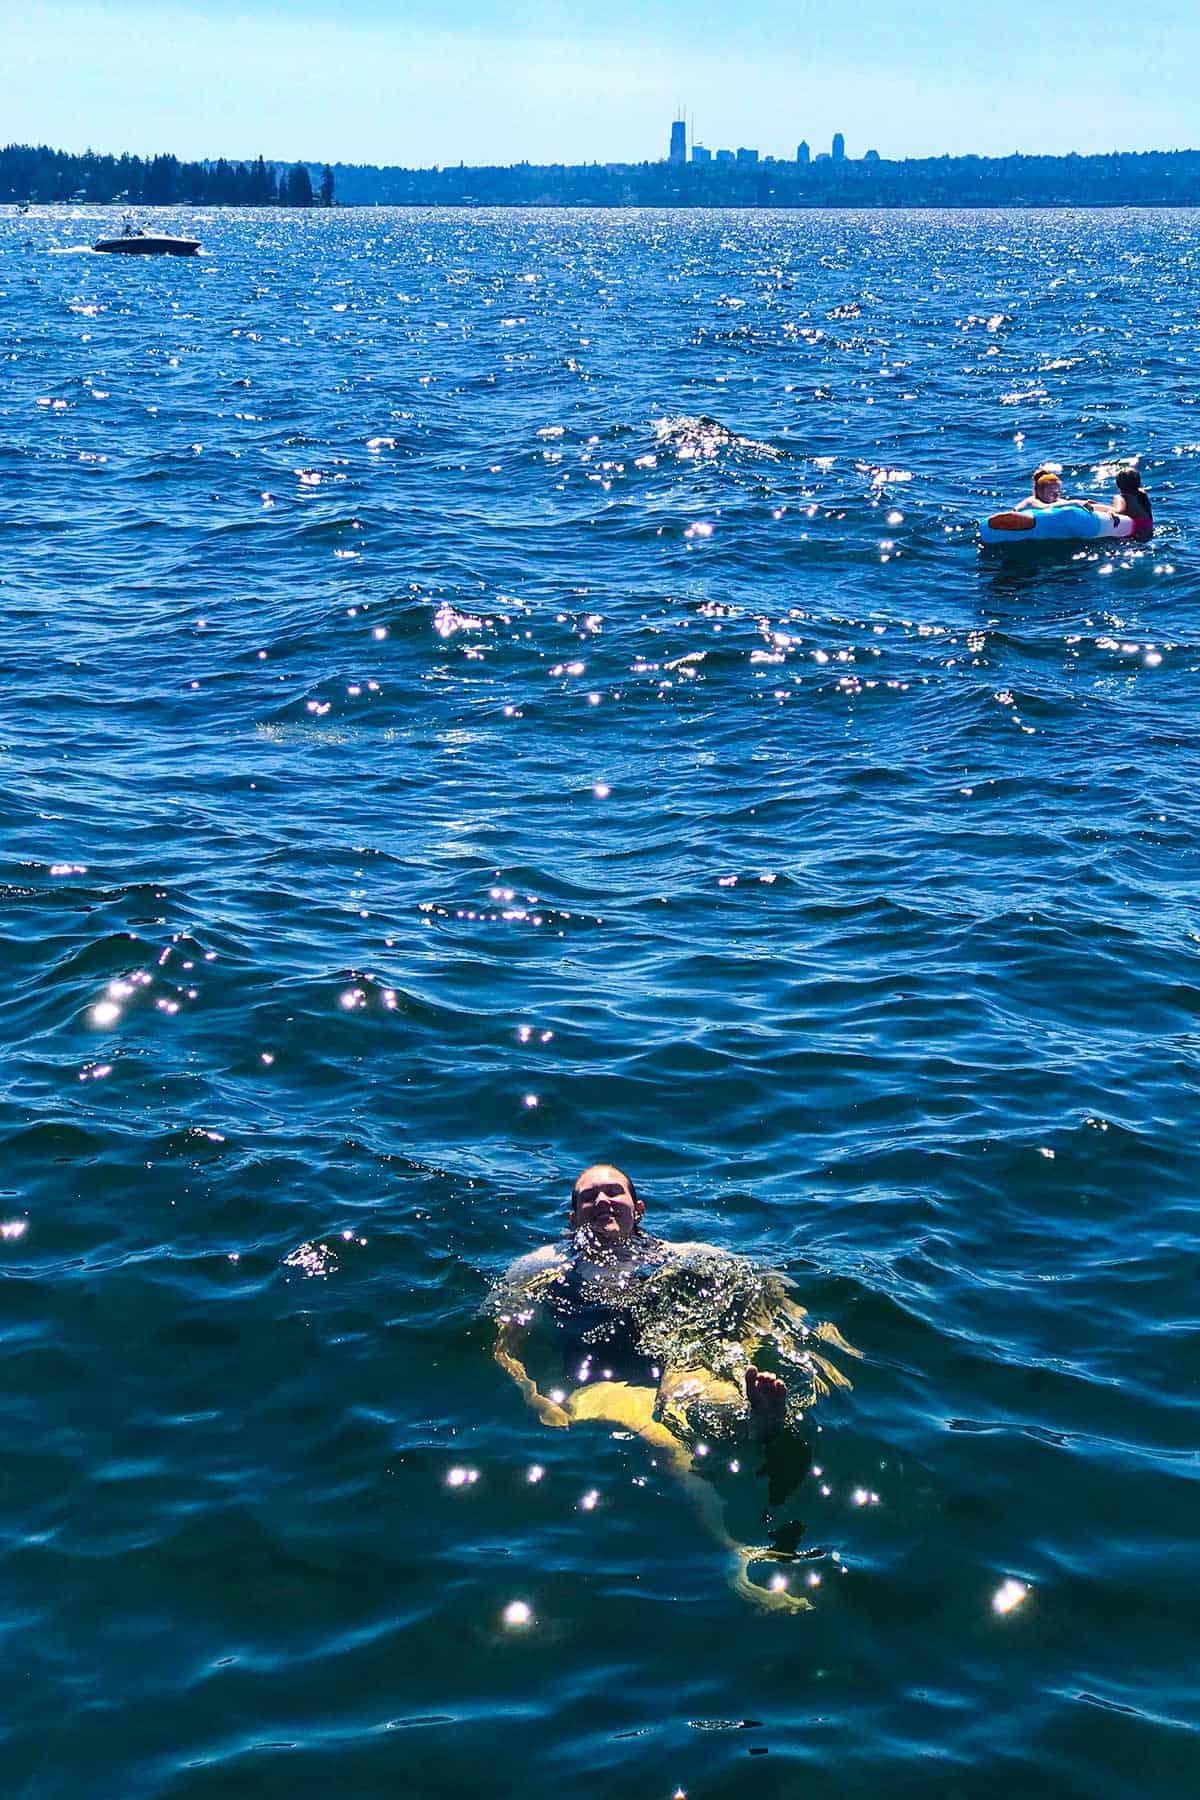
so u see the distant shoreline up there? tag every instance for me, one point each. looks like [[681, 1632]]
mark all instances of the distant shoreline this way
[[639, 206], [1141, 179]]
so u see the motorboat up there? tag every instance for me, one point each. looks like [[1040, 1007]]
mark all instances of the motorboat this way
[[133, 241]]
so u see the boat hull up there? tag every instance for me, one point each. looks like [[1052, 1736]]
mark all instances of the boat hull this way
[[148, 246]]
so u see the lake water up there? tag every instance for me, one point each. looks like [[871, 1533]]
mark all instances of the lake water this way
[[486, 692]]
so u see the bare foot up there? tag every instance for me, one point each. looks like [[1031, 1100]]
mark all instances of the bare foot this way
[[767, 1396]]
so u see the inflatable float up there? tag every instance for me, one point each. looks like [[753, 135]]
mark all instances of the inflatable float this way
[[1067, 522]]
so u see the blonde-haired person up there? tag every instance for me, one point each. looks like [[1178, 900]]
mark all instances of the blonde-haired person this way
[[1047, 493], [1047, 490]]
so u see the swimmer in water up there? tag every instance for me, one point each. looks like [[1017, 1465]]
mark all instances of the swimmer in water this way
[[661, 1338], [1047, 491], [1133, 500]]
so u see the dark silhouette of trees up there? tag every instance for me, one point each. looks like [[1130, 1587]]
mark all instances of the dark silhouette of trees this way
[[263, 186], [1122, 178], [42, 175], [1148, 178], [161, 184], [296, 187]]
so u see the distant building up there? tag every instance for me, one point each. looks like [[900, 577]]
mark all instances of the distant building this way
[[803, 153], [839, 147], [870, 156], [746, 156], [700, 154], [725, 156], [821, 156], [679, 141]]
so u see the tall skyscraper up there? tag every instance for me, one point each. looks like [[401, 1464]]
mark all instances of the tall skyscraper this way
[[679, 141], [839, 147], [803, 153]]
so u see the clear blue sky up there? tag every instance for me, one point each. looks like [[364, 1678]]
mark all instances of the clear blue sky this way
[[369, 81]]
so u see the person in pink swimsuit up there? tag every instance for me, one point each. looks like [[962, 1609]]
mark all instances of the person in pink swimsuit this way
[[1133, 501]]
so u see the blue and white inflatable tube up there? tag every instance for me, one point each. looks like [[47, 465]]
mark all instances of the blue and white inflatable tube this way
[[1068, 521]]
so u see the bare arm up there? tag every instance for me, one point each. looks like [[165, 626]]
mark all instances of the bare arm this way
[[510, 1340]]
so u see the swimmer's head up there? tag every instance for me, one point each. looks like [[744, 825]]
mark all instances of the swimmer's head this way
[[1046, 484], [1129, 481], [605, 1204]]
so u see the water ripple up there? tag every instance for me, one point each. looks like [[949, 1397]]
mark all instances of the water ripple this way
[[485, 691]]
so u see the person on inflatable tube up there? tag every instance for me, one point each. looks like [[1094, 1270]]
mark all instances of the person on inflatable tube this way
[[1047, 491]]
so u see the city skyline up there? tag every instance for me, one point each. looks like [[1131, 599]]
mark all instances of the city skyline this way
[[370, 84], [678, 150]]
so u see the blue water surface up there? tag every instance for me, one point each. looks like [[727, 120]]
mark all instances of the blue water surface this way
[[488, 691]]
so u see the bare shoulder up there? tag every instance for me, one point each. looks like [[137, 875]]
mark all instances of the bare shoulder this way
[[536, 1262], [696, 1253], [699, 1256], [518, 1293]]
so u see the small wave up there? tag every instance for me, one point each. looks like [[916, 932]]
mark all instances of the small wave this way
[[702, 439]]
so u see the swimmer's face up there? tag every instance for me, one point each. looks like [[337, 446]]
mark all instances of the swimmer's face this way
[[603, 1203], [1049, 488]]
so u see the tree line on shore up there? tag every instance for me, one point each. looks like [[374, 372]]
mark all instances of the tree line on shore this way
[[1144, 178], [37, 174], [1123, 178]]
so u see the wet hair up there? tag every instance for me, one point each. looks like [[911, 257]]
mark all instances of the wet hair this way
[[1137, 500]]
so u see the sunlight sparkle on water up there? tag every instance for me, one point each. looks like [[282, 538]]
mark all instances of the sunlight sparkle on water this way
[[685, 1022], [1009, 1595]]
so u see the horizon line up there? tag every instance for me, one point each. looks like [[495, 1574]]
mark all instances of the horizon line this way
[[613, 163]]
